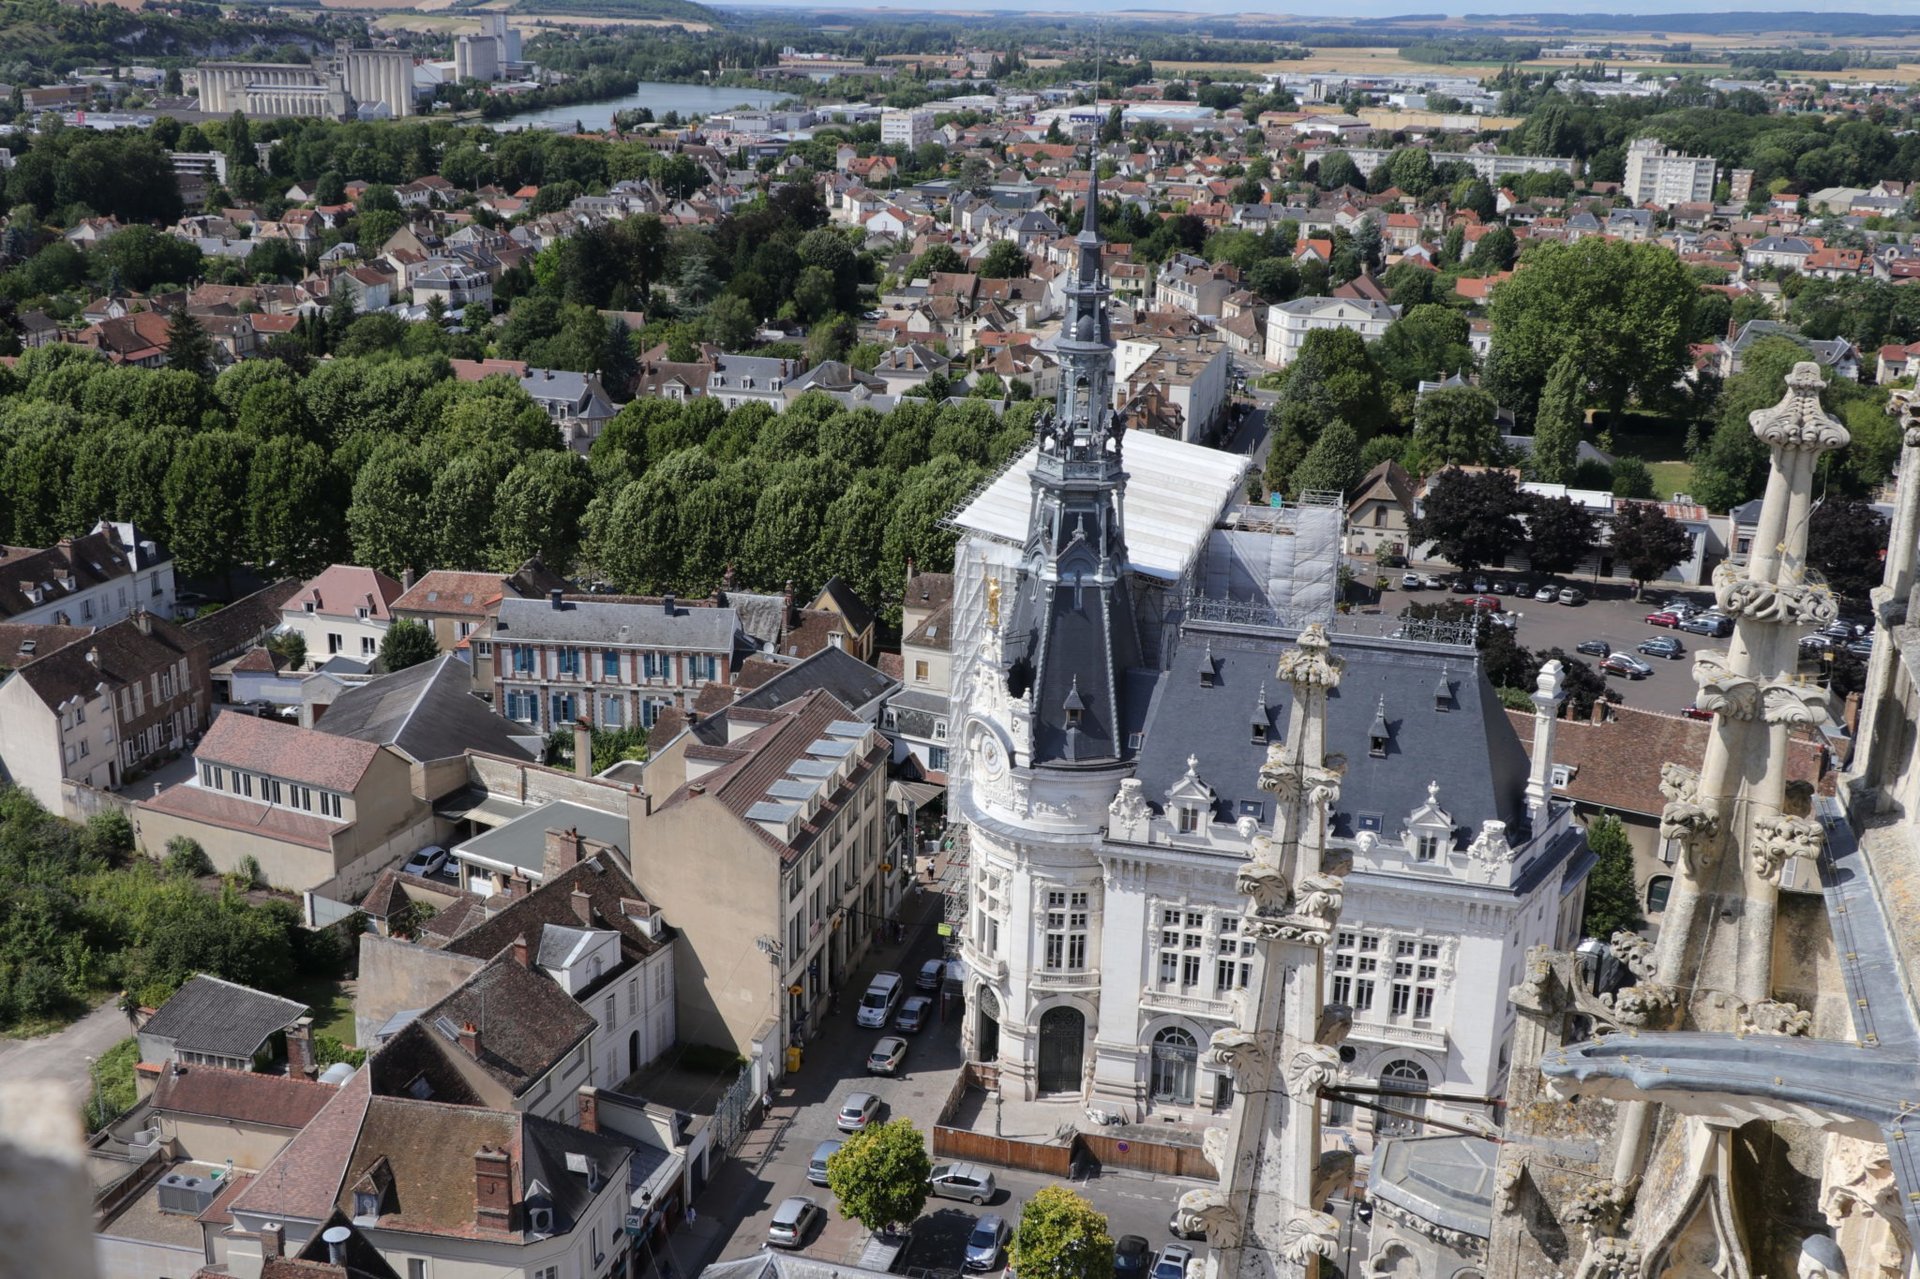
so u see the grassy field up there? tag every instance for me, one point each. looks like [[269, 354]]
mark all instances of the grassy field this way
[[1661, 444], [332, 1004]]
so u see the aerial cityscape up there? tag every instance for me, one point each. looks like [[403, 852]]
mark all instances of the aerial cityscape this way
[[653, 640]]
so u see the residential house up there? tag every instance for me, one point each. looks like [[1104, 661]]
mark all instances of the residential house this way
[[917, 718], [562, 659], [101, 709], [139, 339], [342, 613], [857, 621], [1186, 376], [453, 605], [786, 807], [424, 713], [1786, 252], [1378, 511], [90, 580], [744, 379], [1288, 323], [670, 379], [216, 1114], [1895, 362], [908, 365], [307, 806], [1836, 355], [214, 1022], [1192, 284], [576, 403], [37, 329], [456, 284]]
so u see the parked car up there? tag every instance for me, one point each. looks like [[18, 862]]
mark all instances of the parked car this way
[[887, 1056], [1411, 581], [930, 974], [1489, 602], [1132, 1254], [1432, 582], [817, 1162], [913, 1014], [857, 1111], [1625, 664], [1511, 621], [1461, 586], [1840, 630], [1696, 712], [1479, 586], [1815, 643], [793, 1221], [1862, 647], [1172, 1263], [1568, 595], [971, 1182], [1593, 648], [1662, 618], [1503, 588], [429, 861], [1713, 625], [1390, 559], [984, 1245], [1523, 590], [1662, 646], [1546, 595]]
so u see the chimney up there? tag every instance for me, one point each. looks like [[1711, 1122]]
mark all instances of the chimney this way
[[520, 956], [563, 853], [336, 1239], [406, 579], [1549, 692], [666, 604], [1733, 329], [582, 907], [492, 1189], [582, 748], [93, 657], [1599, 714], [272, 1241], [143, 620], [589, 1109], [470, 1040], [787, 595], [300, 1058], [553, 597], [518, 886]]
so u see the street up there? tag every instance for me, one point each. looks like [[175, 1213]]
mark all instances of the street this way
[[63, 1055], [802, 1116]]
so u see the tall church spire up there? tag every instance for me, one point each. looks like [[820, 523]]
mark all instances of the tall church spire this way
[[1075, 633]]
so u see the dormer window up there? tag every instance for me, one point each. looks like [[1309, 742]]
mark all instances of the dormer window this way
[[1259, 720], [366, 1205], [1189, 819], [1377, 733], [1562, 776], [1426, 848]]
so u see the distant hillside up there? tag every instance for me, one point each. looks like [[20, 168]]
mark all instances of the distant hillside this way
[[1832, 26], [667, 10], [57, 37]]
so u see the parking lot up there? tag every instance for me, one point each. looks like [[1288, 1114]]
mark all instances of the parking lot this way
[[1610, 614]]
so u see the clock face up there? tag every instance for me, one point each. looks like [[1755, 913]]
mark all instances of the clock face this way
[[987, 747]]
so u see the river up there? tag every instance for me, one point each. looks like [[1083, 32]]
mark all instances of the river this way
[[687, 99]]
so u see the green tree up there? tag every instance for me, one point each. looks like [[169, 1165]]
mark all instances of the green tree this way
[[1623, 309], [1732, 467], [1560, 533], [938, 259], [1005, 260], [1455, 426], [189, 349], [1332, 465], [292, 507], [387, 518], [1647, 542], [1494, 251], [406, 643], [1631, 478], [1847, 543], [731, 323], [879, 1177], [1556, 427], [205, 490], [538, 510], [1427, 343], [1061, 1236], [1471, 517], [1613, 900]]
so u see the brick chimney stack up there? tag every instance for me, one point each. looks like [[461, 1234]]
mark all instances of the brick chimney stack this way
[[589, 1108], [470, 1040], [301, 1062], [582, 748], [520, 955], [272, 1241], [492, 1189], [563, 852], [582, 908]]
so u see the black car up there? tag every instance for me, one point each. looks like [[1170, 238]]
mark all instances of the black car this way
[[1594, 648], [1131, 1256], [1461, 586]]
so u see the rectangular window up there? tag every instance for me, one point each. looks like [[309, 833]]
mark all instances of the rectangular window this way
[[1189, 819], [522, 659], [1402, 995], [612, 712], [369, 646], [919, 672], [416, 1268], [1427, 848], [937, 758], [1189, 970], [1423, 1003], [1169, 967], [609, 664], [1362, 996], [569, 661], [1342, 988]]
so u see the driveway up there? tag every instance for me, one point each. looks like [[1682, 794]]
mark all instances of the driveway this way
[[62, 1056]]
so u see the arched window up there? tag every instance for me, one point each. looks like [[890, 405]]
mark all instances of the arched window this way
[[1658, 889], [1404, 1086], [1176, 1056]]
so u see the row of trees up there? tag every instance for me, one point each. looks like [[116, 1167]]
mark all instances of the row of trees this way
[[81, 916]]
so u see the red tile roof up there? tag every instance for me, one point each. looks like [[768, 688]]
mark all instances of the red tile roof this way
[[287, 750], [242, 1096], [230, 812], [303, 1179], [344, 589]]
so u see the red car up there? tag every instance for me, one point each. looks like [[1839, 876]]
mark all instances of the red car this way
[[1695, 712], [1663, 618], [1489, 602]]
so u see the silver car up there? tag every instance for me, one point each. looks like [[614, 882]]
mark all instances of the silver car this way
[[817, 1162], [984, 1245], [971, 1182], [793, 1221]]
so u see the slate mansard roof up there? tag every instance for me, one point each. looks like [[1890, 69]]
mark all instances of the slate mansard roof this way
[[1469, 748]]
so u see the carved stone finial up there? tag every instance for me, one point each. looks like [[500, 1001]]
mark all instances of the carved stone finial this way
[[1777, 837], [1310, 1069], [1799, 421], [1311, 663], [1309, 1235]]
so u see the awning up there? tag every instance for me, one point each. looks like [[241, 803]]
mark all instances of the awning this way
[[916, 795], [480, 807]]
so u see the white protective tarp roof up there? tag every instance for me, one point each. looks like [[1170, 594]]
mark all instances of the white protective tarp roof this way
[[1175, 494]]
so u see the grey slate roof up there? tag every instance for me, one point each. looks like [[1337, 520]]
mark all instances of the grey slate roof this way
[[837, 671], [221, 1018], [425, 712], [544, 1147], [1469, 749], [522, 842], [639, 625], [1445, 1179]]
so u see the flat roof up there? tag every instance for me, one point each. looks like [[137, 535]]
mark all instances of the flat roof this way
[[1175, 494], [522, 842]]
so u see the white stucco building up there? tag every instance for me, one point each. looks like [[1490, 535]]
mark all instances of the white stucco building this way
[[1288, 323]]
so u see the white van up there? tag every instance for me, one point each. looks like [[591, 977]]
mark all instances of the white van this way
[[883, 992]]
